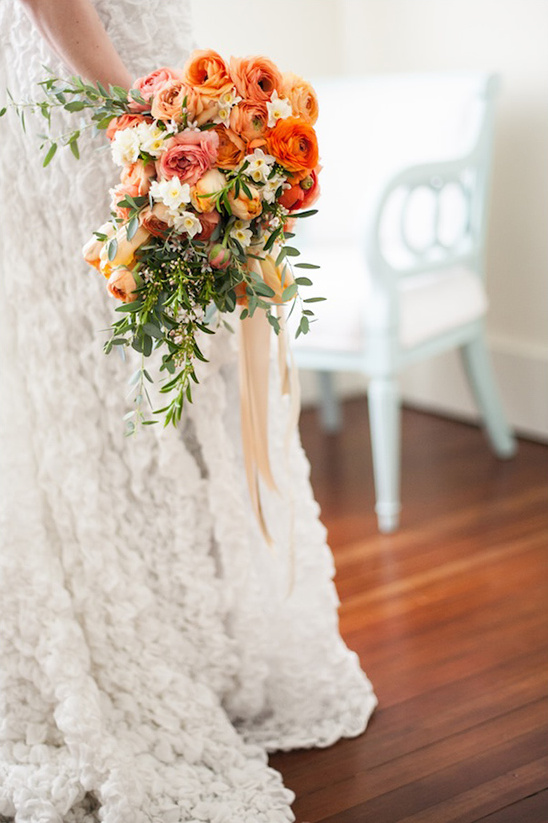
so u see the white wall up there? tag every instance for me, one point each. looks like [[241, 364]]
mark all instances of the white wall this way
[[509, 36]]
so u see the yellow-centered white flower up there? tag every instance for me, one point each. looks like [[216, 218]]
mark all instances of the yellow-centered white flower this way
[[278, 109], [187, 223], [172, 193], [151, 138], [259, 165], [241, 232]]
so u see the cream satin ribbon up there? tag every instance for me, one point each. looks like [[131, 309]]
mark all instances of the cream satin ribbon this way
[[254, 361]]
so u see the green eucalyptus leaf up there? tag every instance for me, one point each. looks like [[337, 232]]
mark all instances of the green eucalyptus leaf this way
[[50, 155]]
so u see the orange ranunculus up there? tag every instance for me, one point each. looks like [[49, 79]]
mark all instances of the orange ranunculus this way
[[294, 145], [249, 120], [125, 121], [302, 97], [167, 103], [255, 78], [231, 148], [207, 72]]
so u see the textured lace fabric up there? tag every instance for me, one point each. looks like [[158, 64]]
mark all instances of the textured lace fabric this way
[[152, 649]]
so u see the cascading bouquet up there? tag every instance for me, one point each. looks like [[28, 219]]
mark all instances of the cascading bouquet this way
[[217, 159]]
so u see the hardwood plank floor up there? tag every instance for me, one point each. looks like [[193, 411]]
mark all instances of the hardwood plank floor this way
[[449, 618]]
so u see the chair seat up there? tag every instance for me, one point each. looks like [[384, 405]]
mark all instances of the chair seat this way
[[430, 304]]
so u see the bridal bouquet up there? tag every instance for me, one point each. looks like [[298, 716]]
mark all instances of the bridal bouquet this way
[[216, 159]]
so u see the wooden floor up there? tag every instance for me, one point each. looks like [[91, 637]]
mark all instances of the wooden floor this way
[[449, 618]]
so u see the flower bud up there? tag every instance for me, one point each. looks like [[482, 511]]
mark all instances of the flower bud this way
[[219, 256]]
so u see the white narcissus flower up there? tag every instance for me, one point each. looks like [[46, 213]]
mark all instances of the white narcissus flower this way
[[186, 222], [223, 115], [241, 232], [270, 188], [172, 193], [229, 98], [278, 109], [259, 165], [126, 146], [151, 138]]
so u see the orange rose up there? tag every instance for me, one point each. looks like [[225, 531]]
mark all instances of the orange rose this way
[[199, 107], [150, 85], [121, 284], [255, 78], [138, 174], [167, 103], [125, 121], [294, 145], [231, 148], [302, 97], [207, 72], [249, 120]]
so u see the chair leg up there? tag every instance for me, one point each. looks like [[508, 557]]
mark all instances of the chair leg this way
[[384, 414], [330, 407], [480, 374]]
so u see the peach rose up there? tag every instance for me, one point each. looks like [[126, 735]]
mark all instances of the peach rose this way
[[294, 145], [150, 85], [255, 78], [207, 72], [232, 148], [138, 174], [200, 109], [125, 121], [167, 103], [117, 195], [249, 120], [303, 194], [302, 97], [188, 155], [92, 249], [155, 220], [204, 194], [209, 221], [244, 207], [125, 252], [122, 284]]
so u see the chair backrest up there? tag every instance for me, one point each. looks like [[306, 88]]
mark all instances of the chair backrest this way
[[372, 128]]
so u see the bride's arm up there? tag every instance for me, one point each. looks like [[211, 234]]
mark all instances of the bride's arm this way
[[74, 31]]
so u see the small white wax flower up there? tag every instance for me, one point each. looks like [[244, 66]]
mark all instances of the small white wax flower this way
[[125, 147], [151, 138], [187, 222], [259, 165], [172, 193], [278, 109]]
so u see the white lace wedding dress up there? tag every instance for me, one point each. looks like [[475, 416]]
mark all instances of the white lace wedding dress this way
[[151, 652]]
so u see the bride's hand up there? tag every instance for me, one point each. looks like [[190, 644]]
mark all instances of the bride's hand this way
[[74, 31]]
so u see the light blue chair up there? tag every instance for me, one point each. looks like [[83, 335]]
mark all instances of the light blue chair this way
[[400, 238]]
